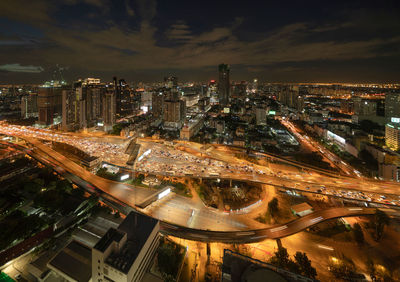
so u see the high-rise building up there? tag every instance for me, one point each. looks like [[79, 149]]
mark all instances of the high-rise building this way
[[261, 116], [364, 107], [392, 105], [69, 110], [157, 104], [223, 84], [109, 109], [392, 135], [82, 105], [29, 106], [49, 104], [174, 111]]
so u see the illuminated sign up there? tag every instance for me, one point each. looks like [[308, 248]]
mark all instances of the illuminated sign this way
[[226, 110], [144, 154], [395, 120], [272, 113], [145, 109], [100, 124], [125, 176], [164, 193], [336, 137]]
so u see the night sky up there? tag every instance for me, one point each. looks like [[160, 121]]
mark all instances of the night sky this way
[[145, 40]]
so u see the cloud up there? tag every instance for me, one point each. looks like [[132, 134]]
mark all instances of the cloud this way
[[19, 68], [179, 31], [26, 11], [114, 47]]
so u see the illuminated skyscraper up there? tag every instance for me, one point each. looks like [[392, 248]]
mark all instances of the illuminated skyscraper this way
[[223, 84], [49, 103], [392, 105], [109, 109], [157, 104]]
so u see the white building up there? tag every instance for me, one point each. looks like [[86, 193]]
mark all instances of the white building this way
[[124, 254]]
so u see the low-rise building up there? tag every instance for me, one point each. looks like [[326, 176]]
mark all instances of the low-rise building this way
[[72, 263], [192, 127], [302, 209]]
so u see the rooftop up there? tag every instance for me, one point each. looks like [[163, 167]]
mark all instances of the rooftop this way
[[138, 228], [75, 261], [301, 207], [111, 236]]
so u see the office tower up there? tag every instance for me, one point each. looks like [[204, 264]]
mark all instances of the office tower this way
[[174, 111], [300, 103], [171, 81], [124, 104], [29, 106], [69, 105], [49, 104], [109, 109], [223, 84], [82, 105], [157, 104], [364, 107], [96, 94], [392, 135], [392, 105], [261, 116], [289, 96], [118, 95]]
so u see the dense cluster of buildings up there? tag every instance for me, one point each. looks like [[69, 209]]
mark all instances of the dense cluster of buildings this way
[[220, 111], [353, 117]]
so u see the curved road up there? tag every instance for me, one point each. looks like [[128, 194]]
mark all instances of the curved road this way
[[275, 232], [125, 194]]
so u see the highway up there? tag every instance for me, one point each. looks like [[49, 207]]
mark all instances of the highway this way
[[176, 209], [301, 178], [188, 220], [275, 232]]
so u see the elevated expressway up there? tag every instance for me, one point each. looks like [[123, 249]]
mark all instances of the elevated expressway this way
[[206, 225]]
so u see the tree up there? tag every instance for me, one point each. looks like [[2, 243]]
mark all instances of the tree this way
[[343, 268], [273, 207], [281, 258], [116, 130], [305, 265], [358, 234], [379, 221]]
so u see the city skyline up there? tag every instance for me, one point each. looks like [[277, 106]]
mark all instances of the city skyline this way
[[147, 40]]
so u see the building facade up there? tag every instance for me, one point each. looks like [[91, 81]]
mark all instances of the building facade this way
[[224, 84]]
